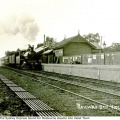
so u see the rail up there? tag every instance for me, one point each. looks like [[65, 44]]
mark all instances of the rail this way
[[35, 104]]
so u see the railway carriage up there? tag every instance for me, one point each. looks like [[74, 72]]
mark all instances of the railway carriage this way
[[28, 59], [4, 61]]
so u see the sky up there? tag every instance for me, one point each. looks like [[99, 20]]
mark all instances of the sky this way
[[25, 22]]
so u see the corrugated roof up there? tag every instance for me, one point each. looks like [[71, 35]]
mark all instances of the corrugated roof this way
[[48, 51], [96, 45], [40, 49]]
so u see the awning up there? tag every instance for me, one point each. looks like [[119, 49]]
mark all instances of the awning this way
[[47, 52], [40, 49]]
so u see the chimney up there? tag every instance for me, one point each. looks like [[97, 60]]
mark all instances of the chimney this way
[[78, 32], [44, 40], [64, 37]]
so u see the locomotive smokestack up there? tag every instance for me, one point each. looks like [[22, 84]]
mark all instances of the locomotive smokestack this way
[[33, 48]]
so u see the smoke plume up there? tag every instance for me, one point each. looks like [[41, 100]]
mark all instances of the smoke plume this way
[[24, 25]]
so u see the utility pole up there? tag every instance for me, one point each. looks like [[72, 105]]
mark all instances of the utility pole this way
[[101, 41], [104, 45], [44, 43]]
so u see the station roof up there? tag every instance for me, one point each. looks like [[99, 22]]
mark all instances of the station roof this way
[[96, 45], [48, 51], [40, 49], [77, 38]]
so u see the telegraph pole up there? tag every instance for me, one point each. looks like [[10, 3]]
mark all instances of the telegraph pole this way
[[104, 45], [101, 41], [44, 43]]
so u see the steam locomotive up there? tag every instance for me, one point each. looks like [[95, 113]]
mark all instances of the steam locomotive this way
[[24, 59]]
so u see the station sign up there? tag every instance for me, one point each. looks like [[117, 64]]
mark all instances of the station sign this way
[[58, 52]]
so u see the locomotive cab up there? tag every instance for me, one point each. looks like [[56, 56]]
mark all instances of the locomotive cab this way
[[31, 59]]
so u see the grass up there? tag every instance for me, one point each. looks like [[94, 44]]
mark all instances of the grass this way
[[57, 99], [11, 105]]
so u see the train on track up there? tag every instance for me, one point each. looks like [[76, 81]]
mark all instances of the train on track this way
[[23, 59]]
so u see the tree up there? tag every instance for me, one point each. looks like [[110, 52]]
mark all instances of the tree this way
[[18, 50], [50, 42], [92, 37], [39, 45], [115, 47]]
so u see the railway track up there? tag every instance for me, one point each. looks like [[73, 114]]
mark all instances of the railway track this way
[[82, 79], [11, 105], [81, 92], [92, 85], [99, 85], [37, 106]]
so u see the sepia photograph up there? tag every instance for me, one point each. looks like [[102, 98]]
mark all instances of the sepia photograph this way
[[59, 59]]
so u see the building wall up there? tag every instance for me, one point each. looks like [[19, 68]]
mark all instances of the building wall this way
[[76, 48]]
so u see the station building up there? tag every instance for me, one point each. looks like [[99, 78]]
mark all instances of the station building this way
[[71, 49]]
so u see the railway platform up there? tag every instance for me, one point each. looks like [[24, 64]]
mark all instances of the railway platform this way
[[99, 72]]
